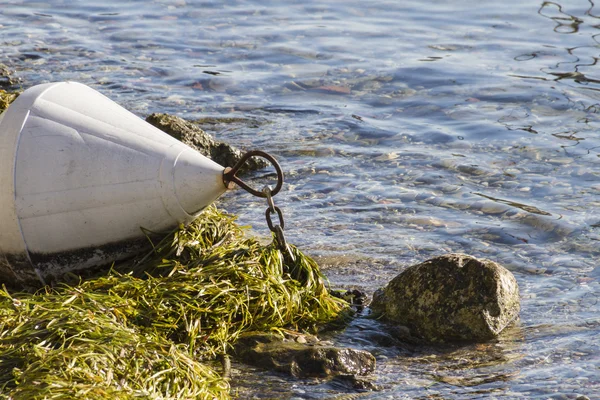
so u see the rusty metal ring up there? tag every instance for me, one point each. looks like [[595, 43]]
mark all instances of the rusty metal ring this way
[[229, 173]]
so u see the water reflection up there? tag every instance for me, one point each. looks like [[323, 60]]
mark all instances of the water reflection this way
[[565, 23], [581, 57]]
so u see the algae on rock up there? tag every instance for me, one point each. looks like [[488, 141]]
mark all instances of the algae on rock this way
[[454, 297], [6, 76], [148, 328]]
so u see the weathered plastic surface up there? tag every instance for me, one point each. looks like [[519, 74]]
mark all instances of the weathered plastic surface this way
[[80, 176]]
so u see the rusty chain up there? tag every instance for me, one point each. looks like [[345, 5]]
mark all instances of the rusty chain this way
[[229, 177], [276, 229]]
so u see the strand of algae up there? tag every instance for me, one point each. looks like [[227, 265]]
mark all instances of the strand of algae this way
[[149, 328], [6, 98]]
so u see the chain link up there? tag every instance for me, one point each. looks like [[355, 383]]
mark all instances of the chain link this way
[[276, 229]]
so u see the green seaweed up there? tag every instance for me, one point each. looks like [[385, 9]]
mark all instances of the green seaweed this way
[[6, 98], [150, 328]]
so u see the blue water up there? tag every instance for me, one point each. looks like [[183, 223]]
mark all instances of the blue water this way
[[407, 129]]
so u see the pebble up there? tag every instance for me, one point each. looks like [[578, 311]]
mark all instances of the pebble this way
[[472, 170], [493, 208], [447, 163]]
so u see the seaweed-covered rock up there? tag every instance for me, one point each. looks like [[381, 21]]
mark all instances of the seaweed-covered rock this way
[[454, 297], [6, 76], [302, 356], [190, 134]]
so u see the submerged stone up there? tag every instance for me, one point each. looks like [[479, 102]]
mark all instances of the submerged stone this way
[[190, 134], [302, 358], [453, 297]]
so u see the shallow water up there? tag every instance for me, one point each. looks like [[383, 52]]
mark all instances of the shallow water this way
[[406, 129]]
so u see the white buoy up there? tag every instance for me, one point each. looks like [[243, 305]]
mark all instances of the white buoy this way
[[80, 176]]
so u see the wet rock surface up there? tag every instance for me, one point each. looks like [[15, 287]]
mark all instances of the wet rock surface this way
[[454, 297], [356, 298], [190, 134], [214, 125], [302, 356], [7, 78]]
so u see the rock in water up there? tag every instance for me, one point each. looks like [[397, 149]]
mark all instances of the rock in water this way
[[6, 77], [306, 359], [453, 297], [190, 134]]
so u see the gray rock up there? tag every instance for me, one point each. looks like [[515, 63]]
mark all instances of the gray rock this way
[[6, 77], [190, 134], [309, 359], [454, 297]]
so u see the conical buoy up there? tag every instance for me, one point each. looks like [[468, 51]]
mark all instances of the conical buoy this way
[[80, 176]]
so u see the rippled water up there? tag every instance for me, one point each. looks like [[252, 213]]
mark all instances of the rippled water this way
[[407, 129]]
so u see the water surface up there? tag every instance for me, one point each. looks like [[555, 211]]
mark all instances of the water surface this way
[[407, 130]]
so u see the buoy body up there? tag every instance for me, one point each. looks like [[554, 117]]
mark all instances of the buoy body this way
[[81, 177]]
